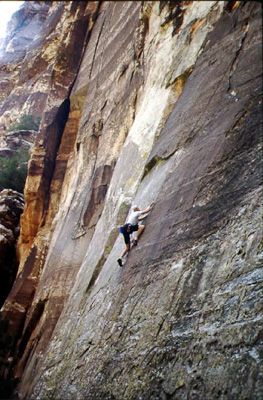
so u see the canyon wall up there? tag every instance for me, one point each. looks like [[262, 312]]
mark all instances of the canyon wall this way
[[142, 102]]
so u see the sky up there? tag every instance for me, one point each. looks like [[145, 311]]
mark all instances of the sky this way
[[7, 8]]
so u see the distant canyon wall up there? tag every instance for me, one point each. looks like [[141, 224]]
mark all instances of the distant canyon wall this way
[[141, 102]]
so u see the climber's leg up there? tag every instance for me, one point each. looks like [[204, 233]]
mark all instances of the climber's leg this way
[[139, 232], [127, 247]]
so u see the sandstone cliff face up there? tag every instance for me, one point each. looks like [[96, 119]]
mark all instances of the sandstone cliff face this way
[[20, 50], [163, 104]]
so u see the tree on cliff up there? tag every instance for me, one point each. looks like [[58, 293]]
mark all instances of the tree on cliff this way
[[13, 171]]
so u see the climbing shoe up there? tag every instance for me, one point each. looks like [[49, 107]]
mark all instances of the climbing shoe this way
[[120, 262], [135, 242]]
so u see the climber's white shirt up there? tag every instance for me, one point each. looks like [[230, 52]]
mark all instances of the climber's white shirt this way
[[133, 219]]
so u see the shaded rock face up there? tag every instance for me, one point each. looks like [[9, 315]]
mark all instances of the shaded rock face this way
[[11, 207], [163, 105], [17, 53]]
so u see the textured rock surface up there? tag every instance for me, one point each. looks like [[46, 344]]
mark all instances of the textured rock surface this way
[[20, 51], [164, 106], [15, 140], [39, 81], [11, 207]]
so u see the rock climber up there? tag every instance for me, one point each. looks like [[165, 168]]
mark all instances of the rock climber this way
[[132, 225]]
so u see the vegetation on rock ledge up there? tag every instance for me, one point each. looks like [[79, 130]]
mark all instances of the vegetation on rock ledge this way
[[13, 171], [27, 122]]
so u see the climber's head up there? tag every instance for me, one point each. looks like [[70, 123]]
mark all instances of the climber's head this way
[[135, 208]]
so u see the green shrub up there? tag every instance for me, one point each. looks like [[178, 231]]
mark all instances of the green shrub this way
[[13, 171], [27, 122]]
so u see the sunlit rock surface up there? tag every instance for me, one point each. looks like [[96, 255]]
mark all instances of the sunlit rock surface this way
[[162, 104]]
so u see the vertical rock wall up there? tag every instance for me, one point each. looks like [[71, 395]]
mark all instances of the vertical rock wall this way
[[43, 77], [165, 107]]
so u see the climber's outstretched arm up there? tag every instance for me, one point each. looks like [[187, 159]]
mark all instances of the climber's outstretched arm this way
[[147, 209]]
